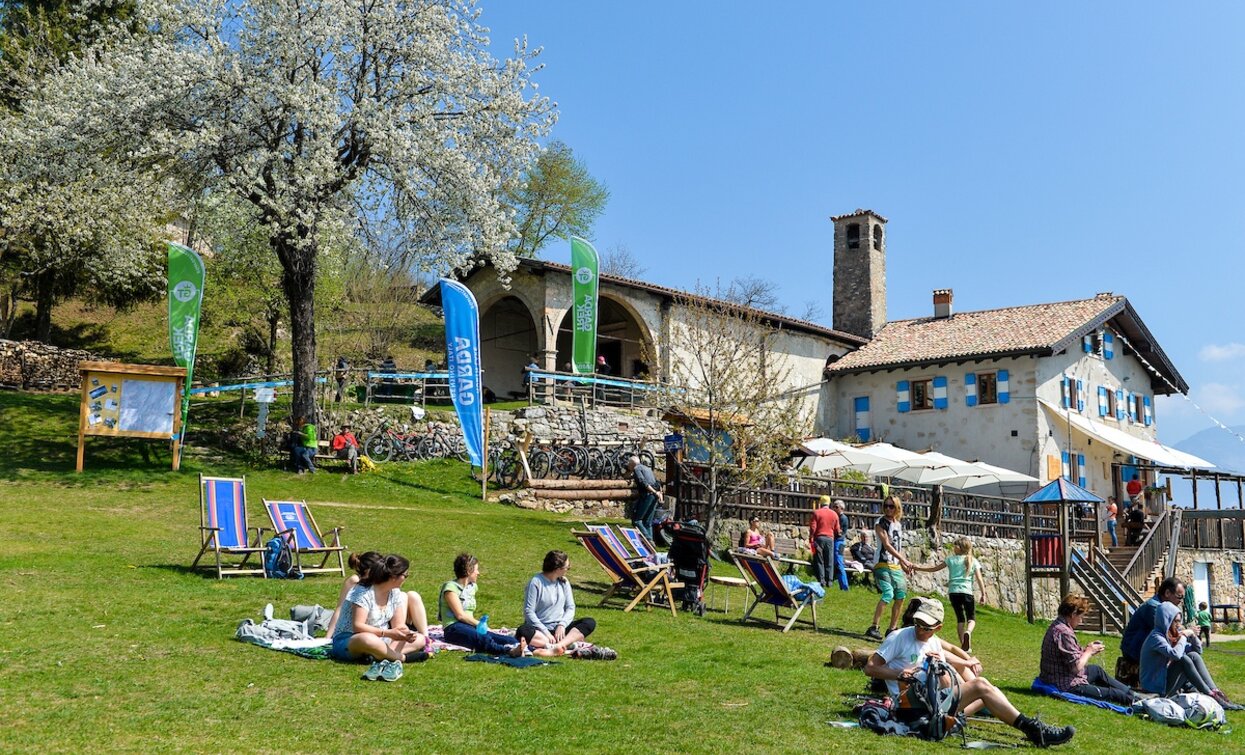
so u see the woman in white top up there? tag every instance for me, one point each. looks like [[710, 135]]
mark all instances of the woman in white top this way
[[372, 621], [416, 614]]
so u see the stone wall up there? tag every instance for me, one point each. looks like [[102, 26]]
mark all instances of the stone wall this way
[[32, 365], [1223, 588]]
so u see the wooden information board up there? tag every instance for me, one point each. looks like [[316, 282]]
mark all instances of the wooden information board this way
[[131, 401]]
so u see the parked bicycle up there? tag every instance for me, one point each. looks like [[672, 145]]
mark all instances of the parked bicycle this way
[[504, 468]]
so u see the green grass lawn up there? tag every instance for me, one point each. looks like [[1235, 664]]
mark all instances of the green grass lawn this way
[[111, 643]]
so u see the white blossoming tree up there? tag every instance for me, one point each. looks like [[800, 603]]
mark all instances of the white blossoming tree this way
[[322, 114]]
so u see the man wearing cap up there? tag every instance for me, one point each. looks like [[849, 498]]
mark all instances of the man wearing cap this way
[[901, 658], [823, 530]]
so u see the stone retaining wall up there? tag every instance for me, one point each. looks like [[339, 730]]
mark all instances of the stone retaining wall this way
[[31, 365], [1223, 587]]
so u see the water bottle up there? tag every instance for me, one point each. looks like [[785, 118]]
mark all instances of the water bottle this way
[[482, 627]]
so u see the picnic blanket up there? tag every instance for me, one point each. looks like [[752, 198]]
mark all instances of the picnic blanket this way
[[1046, 689], [526, 661]]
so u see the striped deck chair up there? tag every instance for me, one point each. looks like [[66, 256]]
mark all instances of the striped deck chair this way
[[767, 587], [222, 527], [642, 545], [608, 533], [645, 580], [293, 521]]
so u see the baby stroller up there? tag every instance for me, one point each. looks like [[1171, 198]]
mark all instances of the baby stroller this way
[[689, 553]]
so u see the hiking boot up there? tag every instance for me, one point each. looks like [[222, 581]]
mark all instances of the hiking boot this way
[[1223, 700], [373, 671], [873, 633], [391, 671], [1043, 734]]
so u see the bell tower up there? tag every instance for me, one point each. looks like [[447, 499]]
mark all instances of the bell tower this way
[[859, 303]]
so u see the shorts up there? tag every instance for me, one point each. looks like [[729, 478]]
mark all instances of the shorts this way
[[965, 606], [891, 582], [340, 650]]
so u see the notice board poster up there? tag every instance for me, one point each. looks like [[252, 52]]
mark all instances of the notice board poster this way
[[131, 400]]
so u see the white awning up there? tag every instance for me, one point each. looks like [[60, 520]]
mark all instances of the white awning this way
[[1129, 444]]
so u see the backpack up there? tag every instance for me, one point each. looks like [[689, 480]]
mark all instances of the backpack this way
[[1161, 710], [279, 560], [936, 707], [1200, 711]]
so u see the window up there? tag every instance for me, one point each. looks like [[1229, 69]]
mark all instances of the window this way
[[1137, 411], [1110, 404], [922, 394], [987, 388], [877, 237], [1236, 573], [853, 235]]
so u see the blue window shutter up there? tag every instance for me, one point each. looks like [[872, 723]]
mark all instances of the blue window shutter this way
[[1003, 390], [1087, 344], [1132, 410], [1080, 465], [1064, 398], [940, 392], [1102, 401], [970, 389], [1080, 396], [903, 397], [1067, 465], [1119, 404], [863, 423], [1149, 413], [1108, 345]]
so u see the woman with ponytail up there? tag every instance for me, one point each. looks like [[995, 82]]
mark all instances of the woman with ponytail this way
[[372, 621], [360, 563], [963, 572]]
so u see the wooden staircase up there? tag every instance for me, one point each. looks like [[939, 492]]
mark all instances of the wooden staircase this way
[[1118, 557]]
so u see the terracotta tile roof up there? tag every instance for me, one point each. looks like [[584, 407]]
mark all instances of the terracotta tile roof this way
[[1035, 328]]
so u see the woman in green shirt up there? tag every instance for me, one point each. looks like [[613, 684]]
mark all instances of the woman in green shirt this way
[[963, 571], [458, 602]]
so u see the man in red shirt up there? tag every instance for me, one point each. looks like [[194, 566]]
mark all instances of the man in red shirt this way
[[823, 528], [1133, 488]]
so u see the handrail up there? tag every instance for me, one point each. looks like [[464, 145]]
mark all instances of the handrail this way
[[1173, 543], [1147, 555], [1101, 560], [1112, 606]]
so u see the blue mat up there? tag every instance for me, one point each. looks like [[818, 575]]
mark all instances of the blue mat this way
[[526, 661], [1046, 689]]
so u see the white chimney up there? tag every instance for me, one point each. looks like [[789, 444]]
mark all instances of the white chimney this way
[[942, 303]]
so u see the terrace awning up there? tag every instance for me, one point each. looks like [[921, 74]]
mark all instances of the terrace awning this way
[[1129, 444]]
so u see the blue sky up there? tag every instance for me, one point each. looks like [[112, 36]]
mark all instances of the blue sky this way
[[1022, 152]]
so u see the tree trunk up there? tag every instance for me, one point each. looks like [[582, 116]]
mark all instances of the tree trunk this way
[[45, 300], [299, 281], [274, 319]]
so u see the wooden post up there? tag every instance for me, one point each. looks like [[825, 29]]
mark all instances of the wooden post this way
[[1219, 506], [82, 413], [484, 460], [1028, 545], [1065, 568], [1194, 478], [177, 427]]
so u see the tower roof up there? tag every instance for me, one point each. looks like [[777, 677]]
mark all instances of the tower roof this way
[[857, 213]]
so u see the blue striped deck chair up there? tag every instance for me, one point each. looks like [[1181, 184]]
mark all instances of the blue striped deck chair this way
[[646, 580], [608, 533], [642, 545], [222, 527], [293, 521], [767, 587]]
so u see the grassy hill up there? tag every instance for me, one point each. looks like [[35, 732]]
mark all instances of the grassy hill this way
[[112, 643]]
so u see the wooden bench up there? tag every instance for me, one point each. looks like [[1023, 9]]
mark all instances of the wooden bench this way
[[786, 549], [324, 454]]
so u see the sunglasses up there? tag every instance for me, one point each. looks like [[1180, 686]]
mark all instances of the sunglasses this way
[[927, 627], [888, 505]]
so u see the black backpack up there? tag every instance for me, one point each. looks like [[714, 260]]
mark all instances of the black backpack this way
[[938, 705]]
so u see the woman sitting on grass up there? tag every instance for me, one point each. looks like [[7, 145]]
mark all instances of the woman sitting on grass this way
[[416, 614], [372, 622], [1171, 660], [458, 601], [549, 612]]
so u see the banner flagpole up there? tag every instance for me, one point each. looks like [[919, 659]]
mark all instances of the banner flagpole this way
[[186, 278], [488, 416], [462, 358]]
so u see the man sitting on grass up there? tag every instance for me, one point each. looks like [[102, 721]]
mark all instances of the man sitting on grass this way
[[902, 653]]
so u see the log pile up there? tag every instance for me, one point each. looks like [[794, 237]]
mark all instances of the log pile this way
[[582, 490], [31, 365], [843, 658]]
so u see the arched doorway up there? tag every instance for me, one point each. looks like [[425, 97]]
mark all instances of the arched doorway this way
[[507, 339], [621, 338]]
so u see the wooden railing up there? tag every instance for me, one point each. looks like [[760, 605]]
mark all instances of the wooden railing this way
[[1153, 546], [1173, 542], [1213, 530]]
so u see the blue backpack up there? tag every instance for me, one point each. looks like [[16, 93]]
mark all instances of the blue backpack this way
[[279, 560]]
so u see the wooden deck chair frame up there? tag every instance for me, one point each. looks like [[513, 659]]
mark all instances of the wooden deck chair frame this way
[[210, 533], [309, 527], [645, 579], [620, 545], [639, 543], [767, 587]]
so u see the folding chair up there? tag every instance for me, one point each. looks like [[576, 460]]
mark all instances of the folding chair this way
[[643, 546], [222, 526], [293, 521], [767, 587], [628, 576], [608, 533]]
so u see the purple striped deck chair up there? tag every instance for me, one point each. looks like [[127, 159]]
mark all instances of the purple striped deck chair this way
[[608, 533], [293, 521], [222, 527], [767, 587], [647, 581]]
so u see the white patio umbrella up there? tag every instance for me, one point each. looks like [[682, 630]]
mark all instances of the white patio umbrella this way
[[934, 468], [993, 475], [892, 458], [825, 455]]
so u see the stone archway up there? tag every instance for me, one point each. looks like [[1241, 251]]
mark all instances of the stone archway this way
[[622, 339], [508, 338]]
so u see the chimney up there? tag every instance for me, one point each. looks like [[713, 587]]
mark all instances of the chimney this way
[[942, 303], [859, 297]]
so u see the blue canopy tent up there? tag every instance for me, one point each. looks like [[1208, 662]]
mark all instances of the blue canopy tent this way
[[1060, 490]]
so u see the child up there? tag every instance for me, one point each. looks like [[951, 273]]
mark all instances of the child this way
[[1203, 623], [962, 572]]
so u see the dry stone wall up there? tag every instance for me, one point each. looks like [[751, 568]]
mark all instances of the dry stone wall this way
[[30, 365], [1223, 587]]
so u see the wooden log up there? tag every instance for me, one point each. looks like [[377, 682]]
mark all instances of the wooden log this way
[[585, 495], [843, 658], [580, 484]]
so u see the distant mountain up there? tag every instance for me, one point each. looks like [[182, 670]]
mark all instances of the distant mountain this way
[[1218, 447]]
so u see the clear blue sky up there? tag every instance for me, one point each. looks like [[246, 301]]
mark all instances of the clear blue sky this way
[[1022, 152]]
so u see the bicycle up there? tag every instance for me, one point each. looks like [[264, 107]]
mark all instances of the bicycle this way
[[504, 469], [385, 443]]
